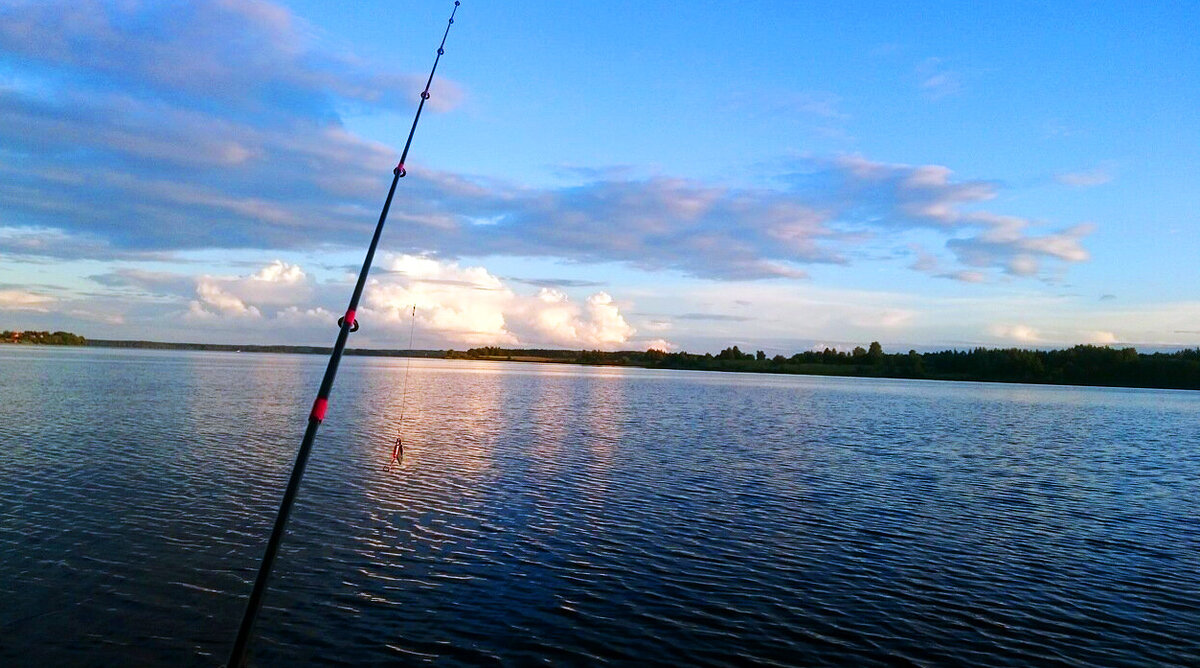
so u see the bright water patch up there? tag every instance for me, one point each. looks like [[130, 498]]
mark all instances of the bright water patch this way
[[580, 515]]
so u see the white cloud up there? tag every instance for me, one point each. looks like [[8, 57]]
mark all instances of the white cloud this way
[[470, 306], [463, 305], [296, 316], [1100, 338], [661, 344], [279, 272], [604, 324], [455, 306], [278, 284], [21, 300], [1017, 333], [213, 301]]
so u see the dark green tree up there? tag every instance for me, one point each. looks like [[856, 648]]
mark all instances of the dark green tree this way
[[875, 353]]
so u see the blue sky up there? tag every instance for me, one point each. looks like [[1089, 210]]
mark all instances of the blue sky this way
[[604, 175]]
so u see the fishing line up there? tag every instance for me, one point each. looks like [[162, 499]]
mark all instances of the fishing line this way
[[404, 385], [398, 445], [346, 325]]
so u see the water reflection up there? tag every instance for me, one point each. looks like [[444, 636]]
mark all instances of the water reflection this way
[[606, 418], [582, 515]]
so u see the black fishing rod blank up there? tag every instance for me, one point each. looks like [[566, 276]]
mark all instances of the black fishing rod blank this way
[[346, 325]]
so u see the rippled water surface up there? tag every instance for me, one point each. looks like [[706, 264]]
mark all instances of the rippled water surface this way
[[577, 515]]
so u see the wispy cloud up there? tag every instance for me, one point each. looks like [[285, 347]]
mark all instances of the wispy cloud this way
[[1097, 176], [720, 317], [936, 80], [244, 54], [150, 283], [557, 282], [207, 124], [213, 125], [965, 276], [1006, 243], [820, 104], [24, 300]]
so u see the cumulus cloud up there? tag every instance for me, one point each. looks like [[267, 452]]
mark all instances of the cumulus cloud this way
[[555, 319], [278, 284], [212, 301], [471, 306], [661, 344], [293, 316]]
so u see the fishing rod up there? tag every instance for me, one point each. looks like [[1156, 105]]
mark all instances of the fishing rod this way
[[346, 325]]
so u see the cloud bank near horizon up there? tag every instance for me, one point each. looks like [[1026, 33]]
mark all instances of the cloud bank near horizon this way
[[455, 305]]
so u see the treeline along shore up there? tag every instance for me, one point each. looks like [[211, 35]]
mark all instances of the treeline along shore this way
[[1080, 365]]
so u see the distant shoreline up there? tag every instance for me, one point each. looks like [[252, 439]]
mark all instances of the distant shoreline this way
[[1083, 365]]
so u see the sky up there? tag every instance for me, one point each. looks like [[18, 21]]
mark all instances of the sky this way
[[604, 175]]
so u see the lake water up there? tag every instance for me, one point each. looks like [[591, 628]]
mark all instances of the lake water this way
[[567, 515]]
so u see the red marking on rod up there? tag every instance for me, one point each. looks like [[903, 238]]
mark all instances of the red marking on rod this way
[[399, 168], [319, 408], [349, 320]]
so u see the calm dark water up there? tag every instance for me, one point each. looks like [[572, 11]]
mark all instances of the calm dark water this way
[[566, 515]]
